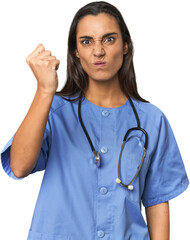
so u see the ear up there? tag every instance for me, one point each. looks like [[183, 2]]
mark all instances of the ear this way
[[76, 53], [125, 49]]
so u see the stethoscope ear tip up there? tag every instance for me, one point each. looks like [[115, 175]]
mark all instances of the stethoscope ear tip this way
[[130, 187], [118, 180]]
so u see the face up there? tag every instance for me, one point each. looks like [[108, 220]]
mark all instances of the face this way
[[100, 47]]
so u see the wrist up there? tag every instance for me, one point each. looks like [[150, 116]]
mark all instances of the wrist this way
[[46, 92]]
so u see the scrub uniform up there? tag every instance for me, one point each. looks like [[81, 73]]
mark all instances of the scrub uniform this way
[[78, 200]]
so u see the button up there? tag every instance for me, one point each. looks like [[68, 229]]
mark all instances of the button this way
[[100, 233], [104, 149], [105, 113], [103, 190]]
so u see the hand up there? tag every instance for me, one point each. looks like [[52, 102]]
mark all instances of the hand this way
[[44, 67]]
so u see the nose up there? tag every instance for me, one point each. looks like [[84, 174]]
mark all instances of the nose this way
[[98, 49]]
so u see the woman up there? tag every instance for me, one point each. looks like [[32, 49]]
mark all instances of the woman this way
[[90, 189]]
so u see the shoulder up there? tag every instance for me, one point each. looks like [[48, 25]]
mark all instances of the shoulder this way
[[149, 111], [57, 103]]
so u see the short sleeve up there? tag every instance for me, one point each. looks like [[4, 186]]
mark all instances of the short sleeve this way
[[42, 158], [166, 177]]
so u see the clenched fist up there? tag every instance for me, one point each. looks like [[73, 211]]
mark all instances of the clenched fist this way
[[44, 67]]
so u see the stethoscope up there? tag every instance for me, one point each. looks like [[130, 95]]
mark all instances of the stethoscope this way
[[97, 154]]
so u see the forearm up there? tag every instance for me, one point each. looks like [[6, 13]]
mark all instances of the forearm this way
[[158, 221], [29, 136]]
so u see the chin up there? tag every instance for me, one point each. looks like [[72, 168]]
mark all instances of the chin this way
[[101, 77]]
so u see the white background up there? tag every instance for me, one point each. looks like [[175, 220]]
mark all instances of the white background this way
[[160, 32]]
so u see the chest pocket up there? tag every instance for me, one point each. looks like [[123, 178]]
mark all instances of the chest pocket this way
[[130, 161]]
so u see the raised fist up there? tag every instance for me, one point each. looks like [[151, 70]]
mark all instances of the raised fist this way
[[44, 67]]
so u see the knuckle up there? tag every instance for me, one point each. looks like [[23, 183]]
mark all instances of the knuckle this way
[[48, 52], [32, 61], [52, 57], [41, 48], [27, 60]]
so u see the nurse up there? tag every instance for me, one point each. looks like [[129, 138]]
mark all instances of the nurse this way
[[78, 198]]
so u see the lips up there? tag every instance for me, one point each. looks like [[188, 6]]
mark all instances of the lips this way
[[100, 63]]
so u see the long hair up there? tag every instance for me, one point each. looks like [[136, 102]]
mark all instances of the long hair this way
[[77, 79]]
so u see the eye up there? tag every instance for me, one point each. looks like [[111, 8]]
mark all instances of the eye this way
[[85, 42], [109, 39]]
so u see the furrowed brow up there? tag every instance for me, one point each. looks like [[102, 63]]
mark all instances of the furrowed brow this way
[[108, 34], [105, 35], [87, 37]]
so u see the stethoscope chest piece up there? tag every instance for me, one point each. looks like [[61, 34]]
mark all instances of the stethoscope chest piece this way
[[97, 157]]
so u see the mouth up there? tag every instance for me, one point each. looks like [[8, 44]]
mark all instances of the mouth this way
[[100, 64]]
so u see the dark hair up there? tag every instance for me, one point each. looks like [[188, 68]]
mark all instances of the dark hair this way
[[77, 78]]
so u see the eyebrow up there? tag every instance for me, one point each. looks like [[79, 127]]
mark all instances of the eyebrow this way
[[105, 35]]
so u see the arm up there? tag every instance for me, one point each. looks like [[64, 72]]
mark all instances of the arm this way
[[29, 136], [158, 221]]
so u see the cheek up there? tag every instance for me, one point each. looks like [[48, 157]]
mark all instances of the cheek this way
[[85, 58], [115, 60], [85, 63]]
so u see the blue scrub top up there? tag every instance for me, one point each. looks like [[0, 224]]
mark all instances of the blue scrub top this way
[[78, 200]]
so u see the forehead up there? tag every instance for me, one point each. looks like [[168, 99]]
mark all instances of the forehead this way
[[97, 25]]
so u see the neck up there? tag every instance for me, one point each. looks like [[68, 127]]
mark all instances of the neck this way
[[105, 93]]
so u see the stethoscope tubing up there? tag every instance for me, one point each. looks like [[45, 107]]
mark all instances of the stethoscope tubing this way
[[97, 154]]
